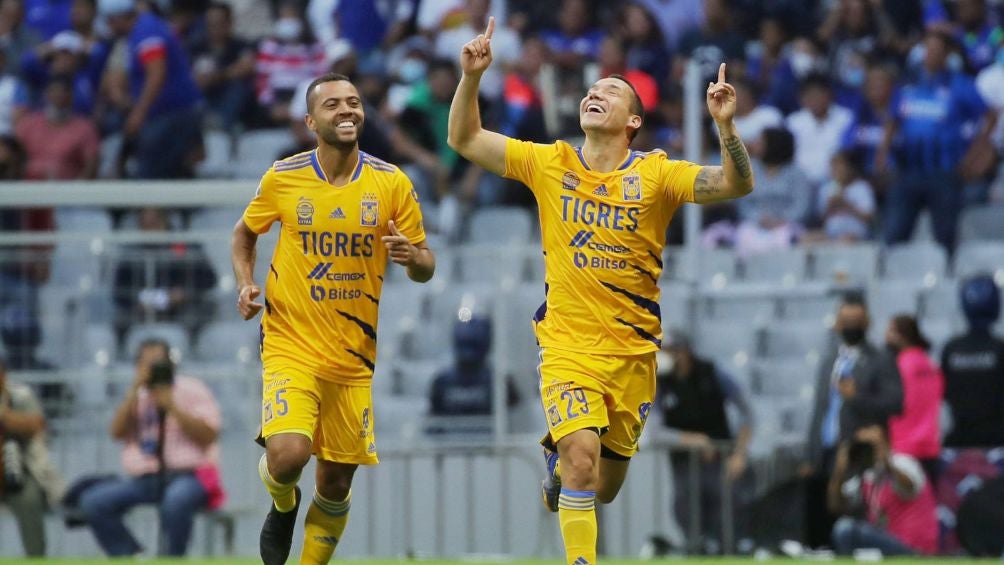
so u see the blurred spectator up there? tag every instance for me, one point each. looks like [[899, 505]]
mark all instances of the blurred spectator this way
[[774, 216], [613, 61], [858, 386], [522, 111], [29, 482], [752, 118], [692, 397], [82, 16], [13, 98], [865, 133], [163, 121], [467, 388], [366, 25], [224, 67], [976, 28], [426, 114], [646, 49], [187, 20], [847, 201], [47, 17], [59, 145], [15, 37], [436, 16], [856, 31], [974, 370], [675, 17], [169, 426], [715, 42], [930, 118], [765, 53], [917, 431], [505, 46], [818, 128], [890, 489], [67, 55], [285, 59], [801, 59], [163, 281], [576, 40]]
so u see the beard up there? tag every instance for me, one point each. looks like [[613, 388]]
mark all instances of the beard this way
[[331, 137]]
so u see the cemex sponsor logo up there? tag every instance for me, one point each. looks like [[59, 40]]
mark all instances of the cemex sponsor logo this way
[[585, 239], [320, 272]]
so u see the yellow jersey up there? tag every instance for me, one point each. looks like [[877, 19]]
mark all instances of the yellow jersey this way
[[603, 235], [324, 283]]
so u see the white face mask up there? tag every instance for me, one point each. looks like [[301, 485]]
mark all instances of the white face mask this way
[[411, 70], [802, 63], [288, 29]]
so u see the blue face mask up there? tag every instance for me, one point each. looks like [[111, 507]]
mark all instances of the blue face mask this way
[[853, 77], [411, 70]]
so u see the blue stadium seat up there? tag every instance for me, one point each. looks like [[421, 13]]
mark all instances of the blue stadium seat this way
[[500, 225], [174, 334], [786, 266], [916, 261], [845, 264], [980, 256]]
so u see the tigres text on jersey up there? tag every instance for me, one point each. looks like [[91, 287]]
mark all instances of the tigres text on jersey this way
[[603, 235], [324, 283]]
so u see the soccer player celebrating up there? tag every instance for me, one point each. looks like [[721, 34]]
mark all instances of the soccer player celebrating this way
[[604, 210], [342, 214]]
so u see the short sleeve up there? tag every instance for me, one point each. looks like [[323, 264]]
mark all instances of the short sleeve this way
[[264, 207], [525, 159], [677, 179], [408, 215]]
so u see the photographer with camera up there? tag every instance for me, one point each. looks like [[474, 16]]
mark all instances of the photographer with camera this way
[[169, 425], [883, 497]]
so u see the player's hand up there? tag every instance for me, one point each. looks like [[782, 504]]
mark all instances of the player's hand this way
[[477, 53], [401, 250], [163, 397], [721, 98], [245, 301]]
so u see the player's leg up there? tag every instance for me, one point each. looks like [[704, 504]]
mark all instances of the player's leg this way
[[579, 452], [343, 441], [289, 417]]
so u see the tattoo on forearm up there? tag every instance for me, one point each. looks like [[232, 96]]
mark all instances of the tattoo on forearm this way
[[737, 152], [709, 181]]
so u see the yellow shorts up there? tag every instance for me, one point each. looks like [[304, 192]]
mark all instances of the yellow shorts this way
[[611, 393], [292, 402]]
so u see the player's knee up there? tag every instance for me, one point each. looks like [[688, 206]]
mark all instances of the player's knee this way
[[335, 481], [285, 465], [579, 471], [606, 495]]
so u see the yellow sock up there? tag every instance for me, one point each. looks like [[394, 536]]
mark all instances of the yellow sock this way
[[326, 520], [577, 517], [282, 494]]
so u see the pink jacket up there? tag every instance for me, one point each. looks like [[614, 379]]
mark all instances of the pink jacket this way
[[917, 430]]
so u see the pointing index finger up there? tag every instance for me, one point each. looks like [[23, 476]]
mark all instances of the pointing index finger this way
[[721, 73], [490, 29]]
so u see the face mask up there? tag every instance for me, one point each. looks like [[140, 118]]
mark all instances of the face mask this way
[[853, 77], [852, 336], [802, 63], [288, 29], [411, 70]]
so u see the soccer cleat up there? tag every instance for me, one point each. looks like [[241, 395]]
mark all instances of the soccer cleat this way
[[550, 488], [276, 537]]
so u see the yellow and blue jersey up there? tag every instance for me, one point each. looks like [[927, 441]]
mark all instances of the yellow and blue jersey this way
[[603, 235], [326, 275]]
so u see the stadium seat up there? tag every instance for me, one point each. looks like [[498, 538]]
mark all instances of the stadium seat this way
[[974, 257], [888, 298], [79, 263], [174, 334], [786, 266], [219, 155], [982, 223], [399, 416], [938, 331], [228, 342], [500, 225], [99, 346], [111, 147], [795, 340], [402, 305], [94, 221], [844, 264], [216, 218], [722, 340], [257, 150], [717, 267], [415, 377], [490, 264], [808, 306], [749, 309], [677, 304], [534, 261], [793, 378], [58, 316], [519, 344], [916, 261], [941, 302]]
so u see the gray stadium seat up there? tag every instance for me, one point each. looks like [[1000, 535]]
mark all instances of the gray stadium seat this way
[[94, 221], [79, 263], [785, 379], [402, 305], [916, 261], [415, 377], [216, 218], [982, 223], [519, 345], [228, 342], [725, 341], [941, 301], [111, 146], [430, 339], [490, 264], [398, 416], [219, 155], [174, 334], [747, 309], [808, 306], [99, 346], [938, 331], [534, 261], [717, 267], [787, 266], [257, 150], [888, 298], [794, 340], [980, 256], [500, 225], [844, 264], [677, 304], [58, 320]]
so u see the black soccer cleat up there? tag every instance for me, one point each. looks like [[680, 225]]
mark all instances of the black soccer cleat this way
[[277, 534]]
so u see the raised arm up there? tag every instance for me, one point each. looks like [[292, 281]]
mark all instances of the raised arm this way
[[734, 178], [466, 136]]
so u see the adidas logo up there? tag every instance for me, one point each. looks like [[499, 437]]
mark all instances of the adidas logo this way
[[337, 214], [581, 561], [326, 540], [601, 191]]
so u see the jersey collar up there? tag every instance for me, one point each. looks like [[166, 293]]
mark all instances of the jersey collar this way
[[320, 172], [625, 164]]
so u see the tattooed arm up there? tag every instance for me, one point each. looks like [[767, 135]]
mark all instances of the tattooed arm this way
[[734, 178]]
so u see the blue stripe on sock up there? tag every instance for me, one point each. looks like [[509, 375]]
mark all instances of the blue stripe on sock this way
[[578, 493]]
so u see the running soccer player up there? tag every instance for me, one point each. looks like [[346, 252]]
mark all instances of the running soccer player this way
[[342, 214], [604, 210]]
